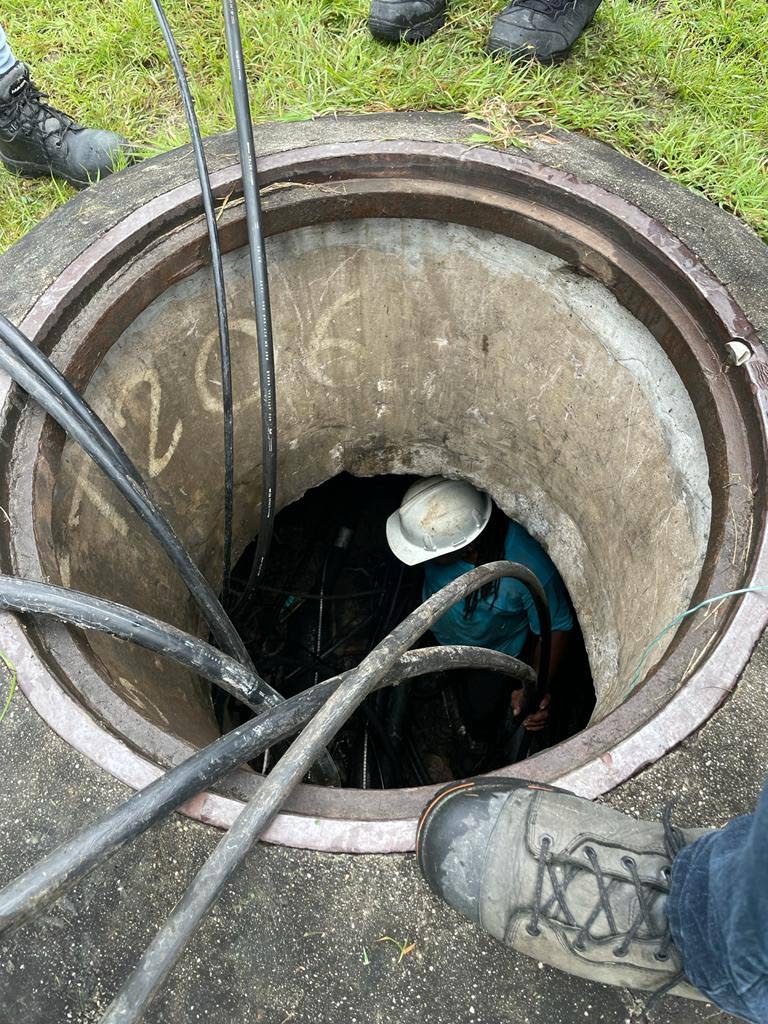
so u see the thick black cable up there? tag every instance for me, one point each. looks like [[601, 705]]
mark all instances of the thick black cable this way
[[533, 698], [54, 379], [258, 258], [87, 612], [129, 484], [217, 269], [47, 880], [167, 946]]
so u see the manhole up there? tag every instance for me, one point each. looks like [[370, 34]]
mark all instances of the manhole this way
[[438, 309], [333, 590]]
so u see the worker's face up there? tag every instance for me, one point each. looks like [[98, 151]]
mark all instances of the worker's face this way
[[466, 554]]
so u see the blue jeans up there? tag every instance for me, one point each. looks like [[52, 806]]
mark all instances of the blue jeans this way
[[7, 60], [718, 914]]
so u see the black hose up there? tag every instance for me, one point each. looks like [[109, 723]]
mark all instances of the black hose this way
[[47, 880], [532, 699], [55, 380], [262, 309], [125, 479], [87, 612], [217, 268], [167, 946]]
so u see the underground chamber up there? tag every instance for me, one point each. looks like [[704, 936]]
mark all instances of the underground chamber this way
[[437, 310], [333, 589]]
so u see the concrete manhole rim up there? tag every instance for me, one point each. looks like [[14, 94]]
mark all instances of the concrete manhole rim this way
[[602, 764]]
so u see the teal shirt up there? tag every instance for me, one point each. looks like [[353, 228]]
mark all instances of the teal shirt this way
[[502, 624]]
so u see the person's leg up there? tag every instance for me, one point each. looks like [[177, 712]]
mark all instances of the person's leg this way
[[572, 883], [718, 913], [7, 59], [484, 700], [37, 141]]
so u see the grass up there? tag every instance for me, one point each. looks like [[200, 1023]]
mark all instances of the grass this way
[[681, 86], [7, 674]]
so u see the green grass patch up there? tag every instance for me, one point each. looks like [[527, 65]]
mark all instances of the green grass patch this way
[[680, 86], [10, 678]]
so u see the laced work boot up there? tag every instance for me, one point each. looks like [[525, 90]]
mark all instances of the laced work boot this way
[[408, 20], [574, 884], [37, 141], [541, 29]]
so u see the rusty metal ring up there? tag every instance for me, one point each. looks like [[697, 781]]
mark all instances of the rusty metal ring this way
[[651, 272]]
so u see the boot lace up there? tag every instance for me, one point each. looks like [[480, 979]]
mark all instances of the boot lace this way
[[647, 896], [27, 114]]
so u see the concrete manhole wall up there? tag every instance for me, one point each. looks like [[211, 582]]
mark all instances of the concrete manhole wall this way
[[437, 309], [403, 346]]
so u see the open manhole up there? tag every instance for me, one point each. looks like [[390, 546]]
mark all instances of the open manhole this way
[[333, 589], [438, 310]]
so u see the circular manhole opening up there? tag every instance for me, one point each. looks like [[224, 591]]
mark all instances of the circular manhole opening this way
[[438, 310], [333, 589]]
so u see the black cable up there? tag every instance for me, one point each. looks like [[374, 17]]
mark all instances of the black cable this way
[[262, 309], [307, 665], [217, 268], [532, 700], [46, 881], [75, 417], [373, 726], [55, 380], [306, 596], [417, 765], [110, 458], [87, 612], [393, 603], [168, 944], [318, 645]]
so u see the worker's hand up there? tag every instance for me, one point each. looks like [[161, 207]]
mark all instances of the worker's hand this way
[[536, 721]]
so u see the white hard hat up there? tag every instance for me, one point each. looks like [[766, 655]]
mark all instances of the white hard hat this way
[[436, 517]]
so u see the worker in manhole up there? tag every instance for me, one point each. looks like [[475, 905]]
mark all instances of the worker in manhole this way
[[37, 141], [449, 526]]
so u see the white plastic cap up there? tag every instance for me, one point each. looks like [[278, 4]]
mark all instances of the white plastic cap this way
[[738, 352], [437, 517]]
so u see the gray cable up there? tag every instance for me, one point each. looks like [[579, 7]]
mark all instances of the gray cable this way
[[110, 458], [43, 883], [87, 612], [167, 946]]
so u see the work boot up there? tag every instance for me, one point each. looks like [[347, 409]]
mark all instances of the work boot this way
[[408, 20], [566, 881], [544, 30], [37, 141]]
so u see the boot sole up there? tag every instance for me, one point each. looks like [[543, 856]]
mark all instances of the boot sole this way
[[388, 32], [26, 169], [523, 55]]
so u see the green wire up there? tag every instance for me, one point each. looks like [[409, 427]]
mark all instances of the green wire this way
[[12, 669], [677, 620]]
